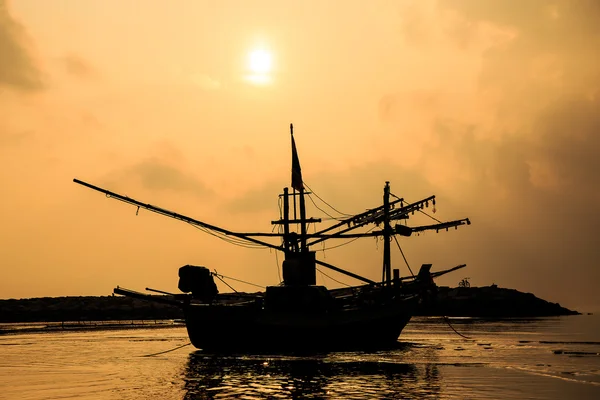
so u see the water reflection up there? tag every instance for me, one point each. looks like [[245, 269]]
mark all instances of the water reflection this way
[[353, 376]]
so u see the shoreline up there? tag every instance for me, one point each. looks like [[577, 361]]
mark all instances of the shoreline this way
[[17, 328]]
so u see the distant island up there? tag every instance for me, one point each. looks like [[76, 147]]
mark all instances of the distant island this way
[[488, 301]]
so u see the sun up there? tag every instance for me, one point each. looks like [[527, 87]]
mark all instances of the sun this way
[[259, 67], [260, 62]]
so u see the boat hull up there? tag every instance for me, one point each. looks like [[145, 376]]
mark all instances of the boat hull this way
[[242, 328]]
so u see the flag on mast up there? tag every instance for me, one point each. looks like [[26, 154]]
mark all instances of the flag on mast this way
[[296, 171]]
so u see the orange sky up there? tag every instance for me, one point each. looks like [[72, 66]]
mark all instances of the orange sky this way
[[492, 106]]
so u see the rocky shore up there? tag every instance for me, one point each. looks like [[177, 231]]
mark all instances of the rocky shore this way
[[84, 308], [490, 301]]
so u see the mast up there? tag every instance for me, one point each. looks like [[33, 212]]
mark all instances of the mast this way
[[286, 220], [387, 233], [298, 185], [303, 246]]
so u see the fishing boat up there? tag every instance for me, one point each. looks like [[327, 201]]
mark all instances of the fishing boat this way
[[298, 314]]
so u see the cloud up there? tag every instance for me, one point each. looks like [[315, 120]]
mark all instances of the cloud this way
[[553, 50], [258, 200], [569, 145], [157, 175], [357, 186], [521, 156], [546, 85], [17, 69], [77, 66]]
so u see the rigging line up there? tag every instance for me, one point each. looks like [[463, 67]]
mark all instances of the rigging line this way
[[401, 252], [458, 333], [323, 249], [320, 209], [219, 278], [231, 240], [279, 230], [430, 216], [167, 351], [277, 262], [279, 201], [393, 195], [280, 215], [335, 280], [240, 244], [345, 243], [322, 277], [330, 206], [237, 280]]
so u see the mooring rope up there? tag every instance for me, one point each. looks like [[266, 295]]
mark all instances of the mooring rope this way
[[167, 351], [451, 327]]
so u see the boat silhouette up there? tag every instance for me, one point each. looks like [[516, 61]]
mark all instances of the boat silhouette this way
[[298, 314]]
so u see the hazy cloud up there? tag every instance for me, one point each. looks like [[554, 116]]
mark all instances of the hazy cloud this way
[[569, 145], [260, 199], [546, 83], [158, 175], [17, 68], [554, 49], [523, 156], [365, 190], [77, 66]]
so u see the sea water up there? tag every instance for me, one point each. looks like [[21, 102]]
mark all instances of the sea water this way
[[541, 358]]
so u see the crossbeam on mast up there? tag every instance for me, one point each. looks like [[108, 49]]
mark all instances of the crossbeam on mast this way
[[442, 225]]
